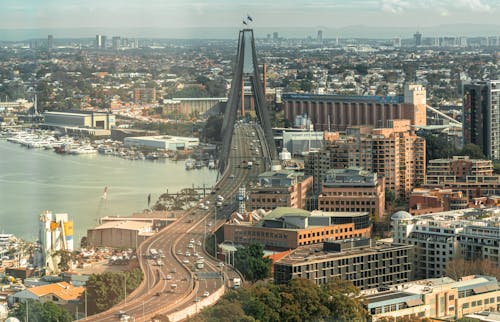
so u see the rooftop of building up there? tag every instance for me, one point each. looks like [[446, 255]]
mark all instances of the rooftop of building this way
[[458, 158], [315, 253], [196, 99], [349, 177], [142, 227], [62, 290], [485, 316], [391, 297], [287, 211], [476, 283], [75, 113], [167, 138], [354, 98], [488, 217], [321, 213], [283, 173], [297, 212]]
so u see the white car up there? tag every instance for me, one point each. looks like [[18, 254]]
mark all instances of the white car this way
[[169, 277], [191, 241], [190, 245], [186, 261], [198, 243], [179, 252], [188, 254], [206, 293]]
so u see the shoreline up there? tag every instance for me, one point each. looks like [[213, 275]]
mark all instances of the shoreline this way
[[42, 181]]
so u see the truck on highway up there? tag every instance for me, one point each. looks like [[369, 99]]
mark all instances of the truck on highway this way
[[200, 264], [249, 164], [236, 282]]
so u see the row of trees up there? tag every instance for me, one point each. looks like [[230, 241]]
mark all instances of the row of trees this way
[[298, 300]]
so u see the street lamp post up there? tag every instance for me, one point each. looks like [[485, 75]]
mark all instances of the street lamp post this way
[[85, 302], [125, 286]]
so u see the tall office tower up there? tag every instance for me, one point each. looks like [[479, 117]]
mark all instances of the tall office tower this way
[[116, 43], [100, 42], [50, 42], [418, 39], [320, 36], [275, 36], [396, 42], [103, 42], [481, 116]]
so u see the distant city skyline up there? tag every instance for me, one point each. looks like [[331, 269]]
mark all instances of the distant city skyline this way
[[134, 15]]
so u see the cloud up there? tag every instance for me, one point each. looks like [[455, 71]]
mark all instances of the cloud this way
[[474, 5], [444, 7], [394, 6]]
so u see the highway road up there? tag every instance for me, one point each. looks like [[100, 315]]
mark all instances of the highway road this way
[[178, 282]]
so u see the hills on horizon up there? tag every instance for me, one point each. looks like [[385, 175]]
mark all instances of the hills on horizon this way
[[355, 31]]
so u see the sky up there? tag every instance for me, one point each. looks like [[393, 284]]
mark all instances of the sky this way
[[60, 14]]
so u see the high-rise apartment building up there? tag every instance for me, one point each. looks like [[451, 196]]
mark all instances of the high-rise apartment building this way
[[335, 112], [481, 116], [394, 152]]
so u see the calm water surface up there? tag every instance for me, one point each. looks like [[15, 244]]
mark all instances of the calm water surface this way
[[32, 181]]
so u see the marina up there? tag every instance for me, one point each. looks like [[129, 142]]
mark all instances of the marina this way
[[63, 144]]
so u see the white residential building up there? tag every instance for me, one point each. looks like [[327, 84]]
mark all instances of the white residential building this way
[[440, 237]]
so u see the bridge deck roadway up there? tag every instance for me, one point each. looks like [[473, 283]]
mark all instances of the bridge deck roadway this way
[[155, 294]]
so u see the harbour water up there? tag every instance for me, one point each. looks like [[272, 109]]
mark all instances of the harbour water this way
[[32, 181]]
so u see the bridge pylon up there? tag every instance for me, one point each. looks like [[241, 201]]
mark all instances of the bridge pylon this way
[[246, 69]]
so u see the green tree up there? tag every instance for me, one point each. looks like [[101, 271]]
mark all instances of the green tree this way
[[438, 147], [211, 131], [47, 312], [107, 289], [303, 301], [251, 263], [473, 151], [65, 258], [84, 242], [496, 167], [262, 301], [341, 298]]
